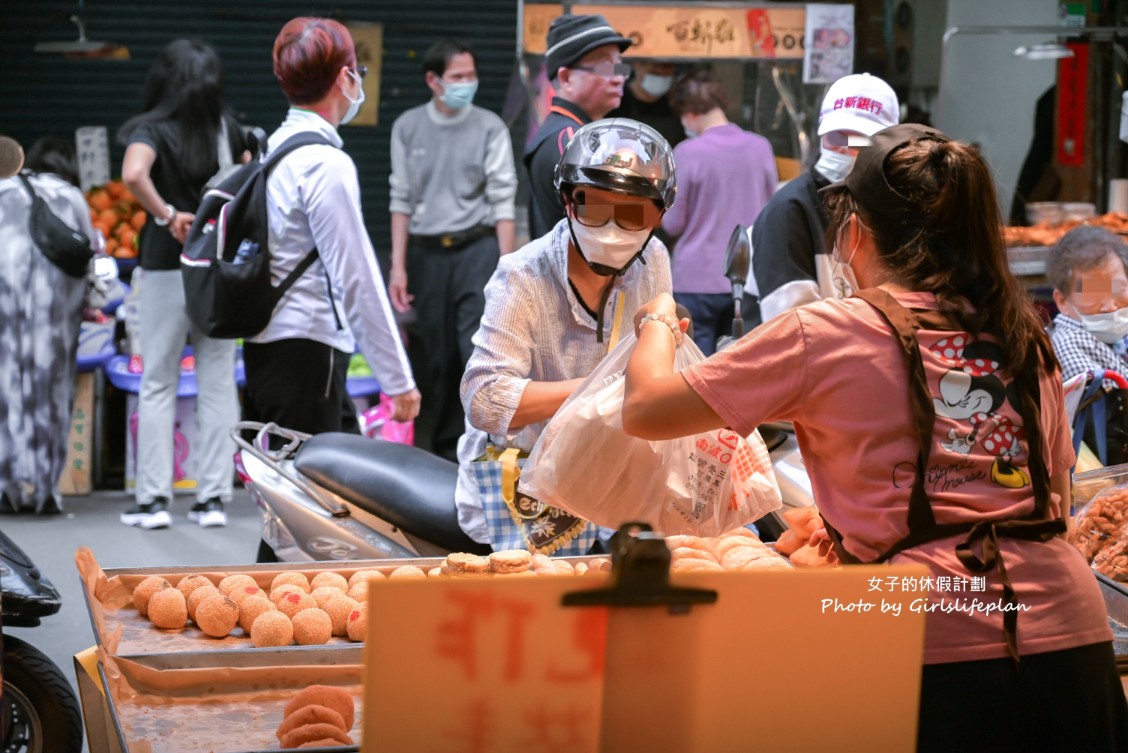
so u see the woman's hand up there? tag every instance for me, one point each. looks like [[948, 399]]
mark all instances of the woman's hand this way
[[820, 539], [662, 305], [180, 224]]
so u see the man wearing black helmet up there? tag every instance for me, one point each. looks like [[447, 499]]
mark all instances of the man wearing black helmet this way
[[553, 307], [584, 62]]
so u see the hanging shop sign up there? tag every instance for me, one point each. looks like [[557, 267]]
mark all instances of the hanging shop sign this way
[[686, 31]]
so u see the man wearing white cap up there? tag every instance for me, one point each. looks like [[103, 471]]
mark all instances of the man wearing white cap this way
[[790, 260]]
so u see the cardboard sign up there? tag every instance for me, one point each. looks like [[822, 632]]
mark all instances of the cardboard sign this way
[[483, 665], [496, 664], [92, 148]]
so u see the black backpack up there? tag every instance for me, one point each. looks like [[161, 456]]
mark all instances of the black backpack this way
[[225, 264]]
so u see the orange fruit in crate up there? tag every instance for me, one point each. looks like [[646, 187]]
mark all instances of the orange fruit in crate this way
[[138, 219], [114, 188], [127, 195], [111, 246], [126, 235], [108, 217], [100, 199]]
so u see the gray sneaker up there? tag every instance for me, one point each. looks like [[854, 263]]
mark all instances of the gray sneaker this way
[[149, 516]]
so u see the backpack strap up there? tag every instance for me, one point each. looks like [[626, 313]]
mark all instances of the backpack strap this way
[[297, 141]]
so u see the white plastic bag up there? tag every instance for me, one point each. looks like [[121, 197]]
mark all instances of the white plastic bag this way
[[703, 484]]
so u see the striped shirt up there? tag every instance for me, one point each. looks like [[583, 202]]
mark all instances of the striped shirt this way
[[535, 329]]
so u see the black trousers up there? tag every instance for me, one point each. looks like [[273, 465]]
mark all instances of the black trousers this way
[[449, 289], [1069, 700], [298, 384]]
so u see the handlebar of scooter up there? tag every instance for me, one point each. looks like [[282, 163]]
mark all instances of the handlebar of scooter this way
[[1112, 376]]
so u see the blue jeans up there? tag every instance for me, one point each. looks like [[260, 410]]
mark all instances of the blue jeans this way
[[712, 315]]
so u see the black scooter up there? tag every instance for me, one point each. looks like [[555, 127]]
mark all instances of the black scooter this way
[[39, 712]]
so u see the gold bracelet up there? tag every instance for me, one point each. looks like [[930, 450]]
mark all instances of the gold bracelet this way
[[666, 319]]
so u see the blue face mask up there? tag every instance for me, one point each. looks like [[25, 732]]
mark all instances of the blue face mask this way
[[458, 94]]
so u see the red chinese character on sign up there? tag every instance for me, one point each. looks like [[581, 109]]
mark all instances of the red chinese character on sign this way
[[702, 444], [556, 729], [863, 103], [851, 102], [590, 636], [838, 104], [470, 728], [458, 637]]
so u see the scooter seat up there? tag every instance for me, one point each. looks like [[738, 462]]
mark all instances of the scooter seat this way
[[409, 488]]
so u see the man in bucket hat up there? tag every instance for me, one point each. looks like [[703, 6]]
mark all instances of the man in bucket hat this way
[[790, 261], [584, 62]]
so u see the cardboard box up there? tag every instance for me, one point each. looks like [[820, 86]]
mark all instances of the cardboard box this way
[[76, 478]]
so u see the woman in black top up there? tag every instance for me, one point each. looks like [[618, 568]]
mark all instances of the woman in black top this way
[[181, 139]]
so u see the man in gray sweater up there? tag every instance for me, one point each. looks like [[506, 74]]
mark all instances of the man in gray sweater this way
[[452, 203]]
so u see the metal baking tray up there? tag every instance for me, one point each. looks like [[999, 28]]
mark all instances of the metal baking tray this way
[[190, 649], [123, 741]]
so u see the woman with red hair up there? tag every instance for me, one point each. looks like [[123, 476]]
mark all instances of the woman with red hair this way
[[296, 367]]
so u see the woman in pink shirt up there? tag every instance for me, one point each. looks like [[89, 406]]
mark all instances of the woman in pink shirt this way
[[929, 411]]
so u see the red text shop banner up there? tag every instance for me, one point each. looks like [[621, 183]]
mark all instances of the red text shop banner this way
[[685, 31]]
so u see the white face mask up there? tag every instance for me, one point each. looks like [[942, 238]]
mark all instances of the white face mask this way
[[1109, 328], [609, 246], [656, 86], [834, 166], [354, 104]]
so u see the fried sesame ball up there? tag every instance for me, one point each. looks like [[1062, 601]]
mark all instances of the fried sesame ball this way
[[368, 573], [291, 604], [245, 592], [190, 583], [272, 629], [251, 609], [359, 592], [168, 609], [339, 608], [312, 627], [276, 594], [313, 713], [407, 572], [292, 578], [314, 732], [217, 616], [198, 597], [145, 590], [331, 580], [333, 697], [231, 582], [357, 626], [324, 594]]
